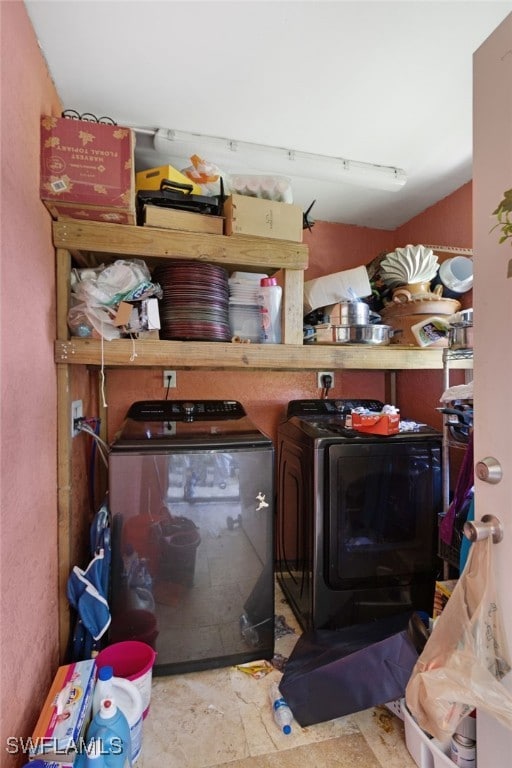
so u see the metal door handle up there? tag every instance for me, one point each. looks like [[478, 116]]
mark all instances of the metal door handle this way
[[489, 470], [489, 525]]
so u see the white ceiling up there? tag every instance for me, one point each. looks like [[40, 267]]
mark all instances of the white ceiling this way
[[382, 82]]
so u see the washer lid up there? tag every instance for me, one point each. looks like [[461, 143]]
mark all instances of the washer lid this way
[[185, 410], [161, 424]]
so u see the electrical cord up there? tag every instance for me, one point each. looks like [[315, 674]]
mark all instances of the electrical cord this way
[[101, 445], [168, 387]]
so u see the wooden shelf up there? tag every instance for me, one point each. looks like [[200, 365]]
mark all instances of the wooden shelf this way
[[87, 240], [221, 356], [92, 243]]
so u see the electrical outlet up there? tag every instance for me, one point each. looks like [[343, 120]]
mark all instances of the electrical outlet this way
[[320, 379], [77, 412], [169, 379]]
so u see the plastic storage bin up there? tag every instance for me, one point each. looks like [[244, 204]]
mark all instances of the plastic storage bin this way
[[425, 751]]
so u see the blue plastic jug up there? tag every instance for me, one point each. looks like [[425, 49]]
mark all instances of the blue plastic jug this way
[[108, 738]]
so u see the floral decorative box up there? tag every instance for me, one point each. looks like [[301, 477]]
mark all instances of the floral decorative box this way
[[87, 166]]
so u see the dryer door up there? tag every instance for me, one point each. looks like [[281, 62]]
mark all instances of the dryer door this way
[[383, 499]]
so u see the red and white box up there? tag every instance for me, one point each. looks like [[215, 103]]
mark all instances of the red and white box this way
[[60, 731], [87, 170], [376, 423]]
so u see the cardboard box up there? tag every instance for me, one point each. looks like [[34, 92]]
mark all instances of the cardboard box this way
[[257, 217], [60, 731], [138, 316], [185, 221], [442, 592], [152, 177], [376, 423], [87, 165], [90, 213]]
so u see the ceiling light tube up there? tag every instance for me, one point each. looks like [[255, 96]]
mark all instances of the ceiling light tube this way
[[276, 160]]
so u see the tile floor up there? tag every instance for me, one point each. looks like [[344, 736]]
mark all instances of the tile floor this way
[[223, 717]]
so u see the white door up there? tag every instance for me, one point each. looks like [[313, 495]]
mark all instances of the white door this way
[[492, 175]]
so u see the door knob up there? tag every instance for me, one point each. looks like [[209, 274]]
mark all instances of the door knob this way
[[489, 470], [489, 525]]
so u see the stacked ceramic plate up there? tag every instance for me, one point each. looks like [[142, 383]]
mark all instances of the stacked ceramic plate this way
[[244, 311], [195, 302]]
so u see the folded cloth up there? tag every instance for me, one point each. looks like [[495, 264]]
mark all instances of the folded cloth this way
[[85, 593], [457, 392]]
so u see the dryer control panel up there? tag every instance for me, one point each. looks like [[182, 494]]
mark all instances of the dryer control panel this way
[[330, 407]]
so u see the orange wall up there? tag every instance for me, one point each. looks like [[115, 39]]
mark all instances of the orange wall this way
[[28, 541], [333, 247]]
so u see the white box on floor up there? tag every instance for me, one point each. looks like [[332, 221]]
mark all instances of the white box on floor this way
[[425, 751]]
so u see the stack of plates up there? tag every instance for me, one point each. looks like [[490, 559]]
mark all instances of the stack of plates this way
[[244, 311], [195, 303]]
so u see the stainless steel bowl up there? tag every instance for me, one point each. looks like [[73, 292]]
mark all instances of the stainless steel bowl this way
[[363, 334]]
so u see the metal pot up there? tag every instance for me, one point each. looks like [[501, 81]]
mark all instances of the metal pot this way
[[460, 336], [363, 334], [354, 313]]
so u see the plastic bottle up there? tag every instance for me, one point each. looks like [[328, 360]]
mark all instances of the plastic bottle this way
[[127, 697], [282, 712], [110, 727], [430, 330], [94, 757], [269, 301]]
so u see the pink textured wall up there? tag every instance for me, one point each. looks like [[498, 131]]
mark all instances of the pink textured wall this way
[[28, 570]]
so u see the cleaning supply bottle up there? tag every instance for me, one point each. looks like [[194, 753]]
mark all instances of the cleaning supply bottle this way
[[127, 697], [282, 712], [94, 757], [269, 302], [110, 727]]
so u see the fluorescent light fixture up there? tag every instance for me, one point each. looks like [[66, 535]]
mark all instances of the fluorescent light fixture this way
[[276, 160]]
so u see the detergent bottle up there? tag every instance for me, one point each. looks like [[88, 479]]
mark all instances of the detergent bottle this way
[[269, 301], [94, 755], [108, 737], [128, 699]]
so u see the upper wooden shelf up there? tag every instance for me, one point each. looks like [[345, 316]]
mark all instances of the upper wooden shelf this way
[[91, 243], [222, 356], [85, 239]]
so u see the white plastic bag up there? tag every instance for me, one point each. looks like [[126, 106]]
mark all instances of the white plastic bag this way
[[123, 280], [466, 655], [94, 321], [277, 188], [206, 174]]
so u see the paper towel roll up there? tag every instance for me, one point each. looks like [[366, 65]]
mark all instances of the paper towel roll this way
[[339, 286]]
